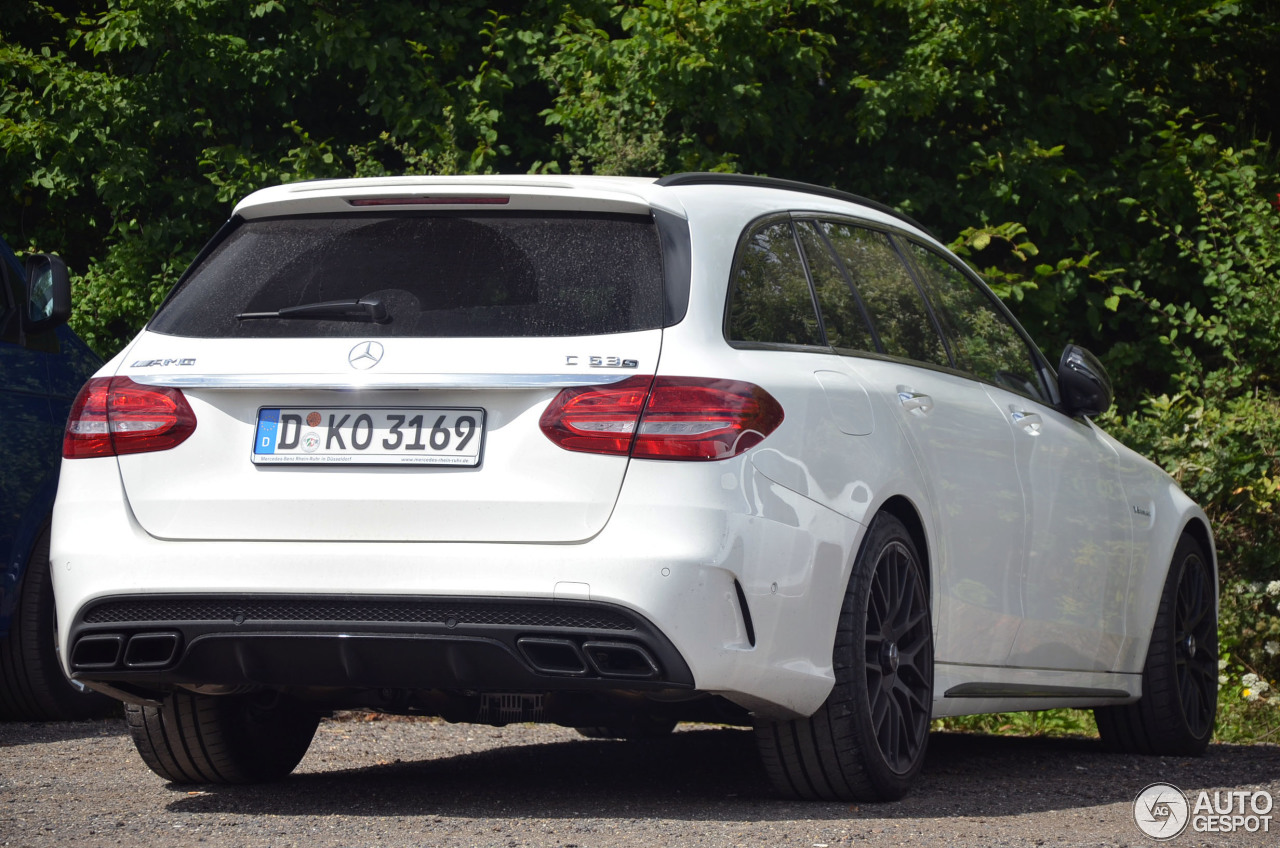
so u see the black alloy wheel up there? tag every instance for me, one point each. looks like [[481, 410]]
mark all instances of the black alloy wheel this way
[[1195, 647], [1179, 703], [867, 741], [899, 658]]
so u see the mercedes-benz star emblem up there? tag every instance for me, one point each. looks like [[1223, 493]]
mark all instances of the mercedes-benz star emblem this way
[[365, 355]]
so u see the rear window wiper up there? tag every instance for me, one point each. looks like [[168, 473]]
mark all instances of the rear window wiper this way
[[364, 309]]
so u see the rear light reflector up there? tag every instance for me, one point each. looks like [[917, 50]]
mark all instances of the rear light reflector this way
[[686, 418], [114, 415]]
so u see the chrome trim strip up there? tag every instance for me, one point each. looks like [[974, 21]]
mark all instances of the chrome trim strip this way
[[349, 382]]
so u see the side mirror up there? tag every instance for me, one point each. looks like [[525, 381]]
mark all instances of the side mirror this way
[[1083, 383], [48, 294]]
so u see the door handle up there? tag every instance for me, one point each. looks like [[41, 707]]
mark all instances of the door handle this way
[[1028, 421], [915, 401]]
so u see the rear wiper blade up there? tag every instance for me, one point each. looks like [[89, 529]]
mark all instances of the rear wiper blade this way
[[364, 309]]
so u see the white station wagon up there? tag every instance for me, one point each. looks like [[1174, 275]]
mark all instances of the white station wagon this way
[[614, 453]]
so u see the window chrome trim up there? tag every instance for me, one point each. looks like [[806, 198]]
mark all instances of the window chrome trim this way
[[385, 381]]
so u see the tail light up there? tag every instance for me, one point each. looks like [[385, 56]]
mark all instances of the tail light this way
[[114, 415], [688, 418]]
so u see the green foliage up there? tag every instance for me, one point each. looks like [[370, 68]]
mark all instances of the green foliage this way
[[1054, 723], [1018, 275], [688, 84], [1248, 699], [1044, 114], [1223, 337]]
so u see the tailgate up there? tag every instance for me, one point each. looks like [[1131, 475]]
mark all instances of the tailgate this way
[[394, 454]]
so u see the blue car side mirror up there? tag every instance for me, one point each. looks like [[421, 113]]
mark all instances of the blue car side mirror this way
[[48, 293]]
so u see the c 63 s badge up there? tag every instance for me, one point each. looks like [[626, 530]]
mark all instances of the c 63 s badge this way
[[602, 361]]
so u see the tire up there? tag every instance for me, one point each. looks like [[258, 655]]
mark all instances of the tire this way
[[1175, 715], [193, 738], [867, 741], [633, 729], [32, 685]]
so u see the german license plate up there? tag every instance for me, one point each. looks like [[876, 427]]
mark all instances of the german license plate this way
[[369, 436]]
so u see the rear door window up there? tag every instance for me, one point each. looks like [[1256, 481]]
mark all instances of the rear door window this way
[[499, 275], [889, 293]]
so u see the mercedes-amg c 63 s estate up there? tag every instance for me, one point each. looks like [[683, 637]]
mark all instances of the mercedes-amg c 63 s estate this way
[[615, 453]]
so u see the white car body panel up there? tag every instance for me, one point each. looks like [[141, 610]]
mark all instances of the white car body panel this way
[[965, 447], [1079, 545]]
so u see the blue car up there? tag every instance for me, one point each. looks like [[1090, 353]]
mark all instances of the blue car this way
[[42, 366]]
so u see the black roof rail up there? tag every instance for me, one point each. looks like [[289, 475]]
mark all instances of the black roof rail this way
[[713, 178]]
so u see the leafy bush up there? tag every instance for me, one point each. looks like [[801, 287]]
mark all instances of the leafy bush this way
[[1218, 435]]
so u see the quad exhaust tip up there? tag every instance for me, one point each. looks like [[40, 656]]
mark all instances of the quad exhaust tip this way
[[109, 651], [99, 651], [606, 659], [553, 656], [620, 659], [151, 650]]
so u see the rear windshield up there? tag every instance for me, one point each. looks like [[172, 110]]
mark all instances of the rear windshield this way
[[541, 274]]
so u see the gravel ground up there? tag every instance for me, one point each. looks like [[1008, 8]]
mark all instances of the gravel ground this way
[[370, 781]]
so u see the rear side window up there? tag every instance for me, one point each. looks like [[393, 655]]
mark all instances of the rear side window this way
[[889, 293], [771, 302], [501, 275]]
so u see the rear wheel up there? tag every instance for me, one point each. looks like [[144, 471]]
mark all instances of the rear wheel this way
[[867, 741], [1179, 701], [193, 738], [32, 685]]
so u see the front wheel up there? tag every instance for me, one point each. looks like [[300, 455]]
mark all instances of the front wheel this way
[[1179, 701], [192, 738], [867, 741]]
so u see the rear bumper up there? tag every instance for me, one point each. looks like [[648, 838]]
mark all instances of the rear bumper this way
[[719, 593]]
